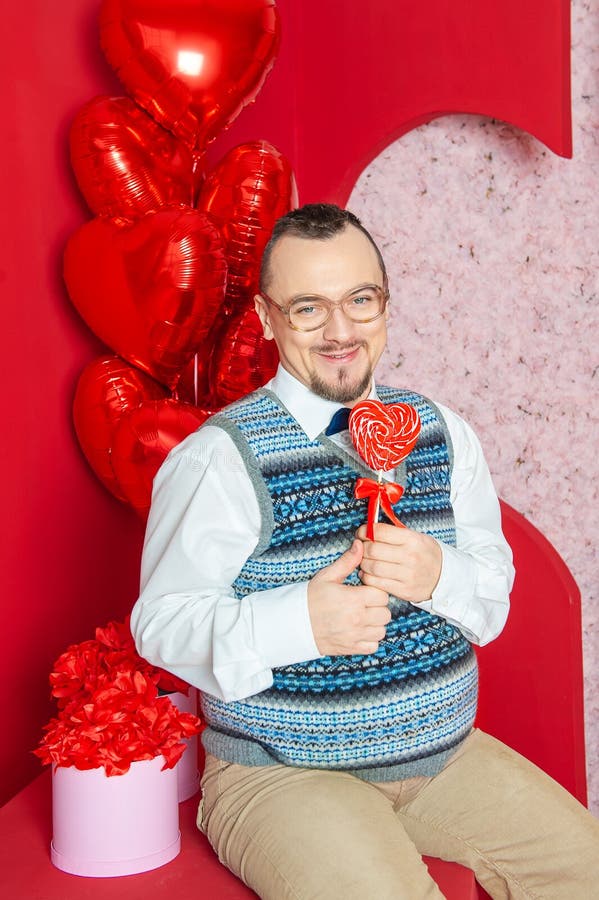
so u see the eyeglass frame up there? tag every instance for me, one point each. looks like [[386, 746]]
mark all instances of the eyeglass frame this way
[[338, 305]]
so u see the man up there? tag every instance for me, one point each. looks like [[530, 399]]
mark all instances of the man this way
[[337, 674]]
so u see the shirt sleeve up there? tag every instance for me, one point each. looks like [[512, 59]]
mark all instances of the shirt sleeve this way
[[203, 525], [476, 575]]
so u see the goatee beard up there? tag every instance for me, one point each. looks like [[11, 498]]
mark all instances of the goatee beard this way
[[341, 392]]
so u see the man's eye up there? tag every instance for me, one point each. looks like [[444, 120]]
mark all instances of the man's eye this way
[[362, 300], [306, 310]]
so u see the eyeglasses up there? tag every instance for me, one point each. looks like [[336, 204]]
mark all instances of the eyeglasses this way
[[362, 305]]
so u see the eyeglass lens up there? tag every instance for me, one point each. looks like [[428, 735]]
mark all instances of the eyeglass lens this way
[[363, 305]]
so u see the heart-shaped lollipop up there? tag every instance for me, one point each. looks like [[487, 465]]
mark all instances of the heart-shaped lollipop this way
[[384, 435]]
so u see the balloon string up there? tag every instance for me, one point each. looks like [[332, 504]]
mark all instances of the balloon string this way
[[194, 175], [197, 176]]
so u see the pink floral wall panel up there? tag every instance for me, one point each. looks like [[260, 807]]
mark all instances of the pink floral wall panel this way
[[492, 247]]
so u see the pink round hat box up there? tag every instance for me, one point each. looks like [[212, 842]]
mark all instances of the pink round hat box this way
[[188, 775], [118, 825]]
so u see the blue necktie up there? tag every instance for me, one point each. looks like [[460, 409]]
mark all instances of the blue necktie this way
[[339, 421]]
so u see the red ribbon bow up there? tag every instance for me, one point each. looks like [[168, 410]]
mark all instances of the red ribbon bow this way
[[379, 494]]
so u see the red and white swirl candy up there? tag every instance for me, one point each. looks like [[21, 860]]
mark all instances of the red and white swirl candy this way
[[384, 435]]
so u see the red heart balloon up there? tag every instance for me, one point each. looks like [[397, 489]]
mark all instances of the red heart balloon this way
[[150, 290], [250, 188], [384, 435], [192, 64], [194, 382], [243, 359], [125, 164], [106, 390], [143, 439]]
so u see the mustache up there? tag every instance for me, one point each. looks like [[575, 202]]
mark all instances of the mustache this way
[[337, 348]]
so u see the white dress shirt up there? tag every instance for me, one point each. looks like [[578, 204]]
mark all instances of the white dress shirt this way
[[205, 522]]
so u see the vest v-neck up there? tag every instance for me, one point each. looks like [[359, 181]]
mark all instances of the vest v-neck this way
[[325, 441]]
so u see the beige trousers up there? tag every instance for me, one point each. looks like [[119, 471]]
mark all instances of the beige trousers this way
[[310, 834]]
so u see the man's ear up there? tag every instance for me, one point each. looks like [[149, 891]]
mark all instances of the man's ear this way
[[262, 311]]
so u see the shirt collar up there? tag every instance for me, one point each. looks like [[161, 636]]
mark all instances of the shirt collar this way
[[311, 412]]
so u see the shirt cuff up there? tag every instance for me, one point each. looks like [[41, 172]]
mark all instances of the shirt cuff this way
[[456, 587], [282, 629]]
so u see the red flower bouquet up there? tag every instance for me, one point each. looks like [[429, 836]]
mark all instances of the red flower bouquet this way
[[117, 636], [110, 711]]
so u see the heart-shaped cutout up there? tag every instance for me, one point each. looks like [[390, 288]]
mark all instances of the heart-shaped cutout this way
[[150, 290], [125, 164], [383, 434], [192, 65]]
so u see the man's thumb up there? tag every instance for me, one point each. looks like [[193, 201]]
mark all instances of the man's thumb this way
[[344, 566]]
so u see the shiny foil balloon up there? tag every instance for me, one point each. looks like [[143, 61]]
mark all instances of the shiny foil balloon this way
[[243, 360], [151, 290], [125, 164], [107, 388], [143, 439], [250, 188], [193, 385], [192, 64]]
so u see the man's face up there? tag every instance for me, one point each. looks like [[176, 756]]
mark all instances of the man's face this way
[[337, 360]]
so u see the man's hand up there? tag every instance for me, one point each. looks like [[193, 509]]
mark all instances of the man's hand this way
[[346, 619], [401, 562]]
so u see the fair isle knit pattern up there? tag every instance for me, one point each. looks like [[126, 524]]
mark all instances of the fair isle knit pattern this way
[[395, 713]]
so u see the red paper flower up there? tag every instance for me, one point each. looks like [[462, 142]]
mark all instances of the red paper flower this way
[[122, 721], [78, 670], [110, 712], [117, 635]]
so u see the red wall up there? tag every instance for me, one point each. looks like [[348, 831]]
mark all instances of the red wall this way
[[335, 98], [70, 552]]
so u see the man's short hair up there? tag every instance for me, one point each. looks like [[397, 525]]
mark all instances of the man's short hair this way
[[316, 222]]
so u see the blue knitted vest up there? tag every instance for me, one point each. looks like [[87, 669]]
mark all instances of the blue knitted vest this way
[[399, 712]]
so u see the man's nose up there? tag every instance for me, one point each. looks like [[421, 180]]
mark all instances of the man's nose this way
[[339, 327]]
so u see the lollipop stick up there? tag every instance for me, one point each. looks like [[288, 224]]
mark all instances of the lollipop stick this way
[[377, 505]]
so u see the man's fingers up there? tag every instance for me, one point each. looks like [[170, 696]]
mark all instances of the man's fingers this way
[[343, 566], [397, 589], [386, 534], [366, 647], [375, 597], [378, 616], [380, 568], [374, 633], [384, 552], [391, 586]]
